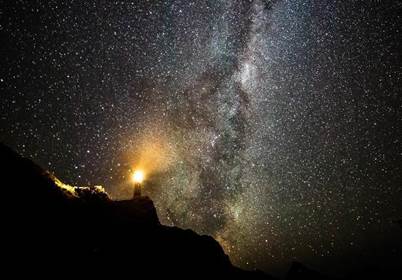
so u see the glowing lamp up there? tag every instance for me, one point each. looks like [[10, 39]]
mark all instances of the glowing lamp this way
[[138, 176]]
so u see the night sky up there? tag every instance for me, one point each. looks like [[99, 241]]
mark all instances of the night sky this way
[[274, 127]]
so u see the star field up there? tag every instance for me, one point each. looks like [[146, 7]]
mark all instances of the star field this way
[[272, 126]]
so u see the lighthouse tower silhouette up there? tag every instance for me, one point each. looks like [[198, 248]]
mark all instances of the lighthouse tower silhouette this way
[[137, 177], [137, 190]]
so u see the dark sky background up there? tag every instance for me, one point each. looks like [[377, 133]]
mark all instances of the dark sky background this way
[[275, 127]]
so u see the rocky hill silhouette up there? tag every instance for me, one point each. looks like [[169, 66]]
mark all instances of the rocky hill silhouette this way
[[52, 229]]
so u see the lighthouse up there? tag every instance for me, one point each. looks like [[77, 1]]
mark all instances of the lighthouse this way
[[137, 178]]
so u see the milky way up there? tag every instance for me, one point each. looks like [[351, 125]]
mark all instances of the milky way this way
[[272, 126]]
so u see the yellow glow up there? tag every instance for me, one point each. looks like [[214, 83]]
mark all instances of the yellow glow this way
[[70, 189], [138, 176], [151, 150]]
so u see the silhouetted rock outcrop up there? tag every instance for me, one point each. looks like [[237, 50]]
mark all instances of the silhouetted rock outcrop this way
[[54, 229], [140, 210]]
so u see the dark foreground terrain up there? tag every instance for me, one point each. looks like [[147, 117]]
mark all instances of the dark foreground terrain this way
[[51, 229]]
